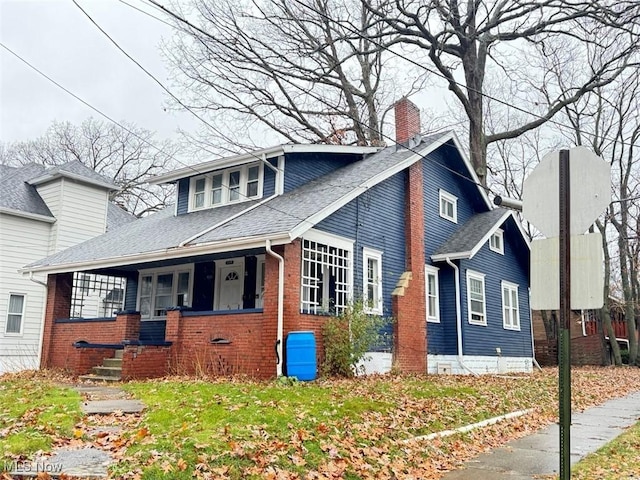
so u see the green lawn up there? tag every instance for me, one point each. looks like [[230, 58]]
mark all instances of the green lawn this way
[[618, 459], [34, 414], [361, 428]]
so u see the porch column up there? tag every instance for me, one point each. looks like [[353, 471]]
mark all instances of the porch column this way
[[59, 287], [128, 325]]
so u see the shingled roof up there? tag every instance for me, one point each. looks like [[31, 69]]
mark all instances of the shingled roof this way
[[279, 218], [465, 242], [17, 195]]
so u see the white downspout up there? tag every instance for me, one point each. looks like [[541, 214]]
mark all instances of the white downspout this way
[[279, 334], [456, 272], [44, 314]]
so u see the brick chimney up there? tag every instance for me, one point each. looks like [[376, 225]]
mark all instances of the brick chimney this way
[[407, 120]]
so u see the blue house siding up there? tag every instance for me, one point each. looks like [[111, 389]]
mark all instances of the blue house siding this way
[[183, 196], [269, 185], [441, 337], [435, 178], [301, 168], [375, 220], [483, 340]]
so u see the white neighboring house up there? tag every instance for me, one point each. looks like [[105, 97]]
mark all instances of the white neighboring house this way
[[42, 211]]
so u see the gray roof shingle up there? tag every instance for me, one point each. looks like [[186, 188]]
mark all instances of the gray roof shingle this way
[[16, 194], [467, 237], [78, 169], [278, 215], [117, 217]]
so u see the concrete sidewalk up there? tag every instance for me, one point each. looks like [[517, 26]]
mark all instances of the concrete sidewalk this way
[[538, 454]]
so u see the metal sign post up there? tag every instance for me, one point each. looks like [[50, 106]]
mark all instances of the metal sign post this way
[[563, 216], [564, 362]]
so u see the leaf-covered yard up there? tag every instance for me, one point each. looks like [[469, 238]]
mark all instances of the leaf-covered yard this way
[[362, 428]]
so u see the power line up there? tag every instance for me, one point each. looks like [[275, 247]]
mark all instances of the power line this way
[[382, 134]]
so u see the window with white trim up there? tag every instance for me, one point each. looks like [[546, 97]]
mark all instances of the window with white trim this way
[[432, 294], [232, 185], [448, 206], [372, 281], [164, 288], [15, 314], [476, 299], [496, 242], [326, 277], [510, 309]]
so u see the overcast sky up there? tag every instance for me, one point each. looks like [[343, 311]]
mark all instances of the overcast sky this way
[[58, 39]]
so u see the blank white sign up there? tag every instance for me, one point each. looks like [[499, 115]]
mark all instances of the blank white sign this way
[[587, 273]]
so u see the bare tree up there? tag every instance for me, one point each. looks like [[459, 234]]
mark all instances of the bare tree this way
[[306, 72], [608, 121], [129, 157], [464, 39]]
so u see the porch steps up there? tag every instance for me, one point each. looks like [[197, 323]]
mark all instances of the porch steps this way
[[109, 371]]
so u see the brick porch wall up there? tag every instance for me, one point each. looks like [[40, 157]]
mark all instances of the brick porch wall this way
[[147, 361]]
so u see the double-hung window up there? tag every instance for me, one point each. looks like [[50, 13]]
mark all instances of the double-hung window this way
[[476, 298], [232, 185], [372, 280], [510, 310], [161, 289], [15, 314], [448, 206], [431, 291]]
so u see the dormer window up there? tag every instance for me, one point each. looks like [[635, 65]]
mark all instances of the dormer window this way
[[236, 184], [496, 242]]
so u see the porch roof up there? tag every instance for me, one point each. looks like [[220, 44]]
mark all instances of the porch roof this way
[[247, 225], [470, 237]]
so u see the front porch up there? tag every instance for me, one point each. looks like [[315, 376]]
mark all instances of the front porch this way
[[185, 332]]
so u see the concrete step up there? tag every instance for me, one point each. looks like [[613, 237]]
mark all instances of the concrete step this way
[[98, 378], [115, 372], [112, 362], [118, 354]]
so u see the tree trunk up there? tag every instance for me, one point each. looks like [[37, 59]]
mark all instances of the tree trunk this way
[[550, 327], [605, 312]]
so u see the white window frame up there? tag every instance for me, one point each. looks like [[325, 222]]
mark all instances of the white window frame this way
[[471, 275], [510, 313], [22, 313], [331, 241], [430, 270], [374, 306], [499, 248], [445, 196], [154, 273], [225, 200]]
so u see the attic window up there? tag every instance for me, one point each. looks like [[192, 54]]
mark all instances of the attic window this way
[[233, 185], [448, 206], [496, 242]]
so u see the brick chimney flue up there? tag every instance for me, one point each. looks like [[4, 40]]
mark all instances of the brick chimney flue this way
[[407, 120]]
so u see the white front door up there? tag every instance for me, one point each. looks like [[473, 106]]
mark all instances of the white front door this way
[[230, 284]]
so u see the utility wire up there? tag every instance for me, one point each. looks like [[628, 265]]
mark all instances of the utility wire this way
[[382, 134]]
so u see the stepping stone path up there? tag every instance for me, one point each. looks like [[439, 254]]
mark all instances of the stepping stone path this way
[[88, 462]]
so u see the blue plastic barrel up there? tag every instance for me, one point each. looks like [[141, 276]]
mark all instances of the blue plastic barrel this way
[[301, 355]]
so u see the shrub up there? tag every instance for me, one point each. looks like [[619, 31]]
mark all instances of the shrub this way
[[347, 339]]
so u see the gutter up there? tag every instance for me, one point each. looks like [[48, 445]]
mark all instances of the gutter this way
[[456, 272], [226, 220], [279, 334]]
